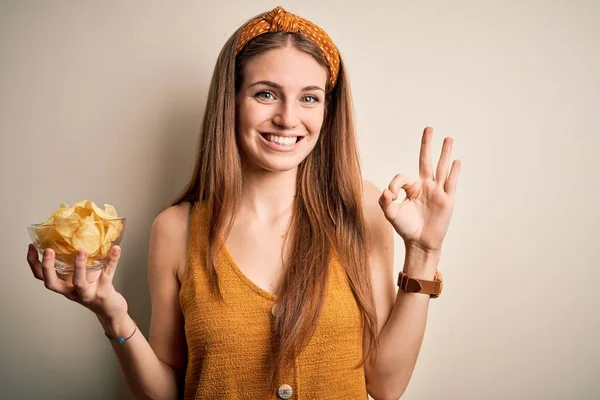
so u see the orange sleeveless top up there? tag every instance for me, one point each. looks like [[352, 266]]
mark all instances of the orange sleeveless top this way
[[229, 350]]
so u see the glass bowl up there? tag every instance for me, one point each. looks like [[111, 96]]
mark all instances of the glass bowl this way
[[95, 237]]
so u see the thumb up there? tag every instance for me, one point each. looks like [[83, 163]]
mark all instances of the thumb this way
[[386, 198]]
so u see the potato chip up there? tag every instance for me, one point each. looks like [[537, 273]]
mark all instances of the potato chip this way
[[82, 225], [46, 235], [84, 208], [110, 211], [63, 247], [112, 230], [99, 214], [67, 226], [87, 238]]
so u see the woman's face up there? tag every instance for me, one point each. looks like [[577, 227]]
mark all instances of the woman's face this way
[[280, 109]]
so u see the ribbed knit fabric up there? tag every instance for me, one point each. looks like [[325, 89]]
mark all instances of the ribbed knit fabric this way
[[229, 348]]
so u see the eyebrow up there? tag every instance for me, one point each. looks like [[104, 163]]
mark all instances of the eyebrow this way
[[278, 86]]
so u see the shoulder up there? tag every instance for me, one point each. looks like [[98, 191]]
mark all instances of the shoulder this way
[[168, 239], [380, 232], [371, 193], [172, 220], [377, 225]]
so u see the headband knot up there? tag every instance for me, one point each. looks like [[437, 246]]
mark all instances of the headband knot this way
[[281, 20]]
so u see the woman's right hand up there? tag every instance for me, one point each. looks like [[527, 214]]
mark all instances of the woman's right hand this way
[[99, 296]]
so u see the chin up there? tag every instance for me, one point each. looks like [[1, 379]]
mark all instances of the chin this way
[[279, 165]]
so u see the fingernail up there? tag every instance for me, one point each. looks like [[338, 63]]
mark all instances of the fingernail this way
[[80, 253], [116, 251], [47, 253]]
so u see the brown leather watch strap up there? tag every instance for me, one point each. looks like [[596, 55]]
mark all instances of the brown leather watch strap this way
[[414, 285]]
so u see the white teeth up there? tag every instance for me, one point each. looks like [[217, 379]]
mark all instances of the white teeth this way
[[285, 141]]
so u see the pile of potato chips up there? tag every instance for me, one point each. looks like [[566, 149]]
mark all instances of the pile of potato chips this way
[[80, 226]]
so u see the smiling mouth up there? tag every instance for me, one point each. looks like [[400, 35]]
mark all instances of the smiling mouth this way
[[282, 140]]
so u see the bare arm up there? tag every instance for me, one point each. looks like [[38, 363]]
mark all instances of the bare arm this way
[[154, 369], [421, 220], [401, 316], [150, 369]]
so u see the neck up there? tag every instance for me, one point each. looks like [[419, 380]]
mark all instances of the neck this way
[[268, 196]]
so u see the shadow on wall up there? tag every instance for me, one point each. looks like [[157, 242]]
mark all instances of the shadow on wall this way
[[170, 172]]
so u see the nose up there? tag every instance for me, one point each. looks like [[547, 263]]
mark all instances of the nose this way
[[286, 116]]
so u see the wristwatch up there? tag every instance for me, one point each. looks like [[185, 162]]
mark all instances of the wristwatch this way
[[413, 285]]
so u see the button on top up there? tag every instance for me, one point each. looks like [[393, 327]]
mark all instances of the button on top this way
[[273, 311], [285, 391]]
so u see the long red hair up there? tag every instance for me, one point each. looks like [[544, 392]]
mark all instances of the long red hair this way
[[327, 213]]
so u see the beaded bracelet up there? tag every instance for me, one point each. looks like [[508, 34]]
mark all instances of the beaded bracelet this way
[[121, 339]]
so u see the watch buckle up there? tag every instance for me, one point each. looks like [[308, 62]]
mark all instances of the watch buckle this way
[[410, 285]]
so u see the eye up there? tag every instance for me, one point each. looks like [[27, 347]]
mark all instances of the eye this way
[[310, 99], [265, 95]]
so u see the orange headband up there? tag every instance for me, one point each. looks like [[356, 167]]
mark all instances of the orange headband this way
[[278, 20]]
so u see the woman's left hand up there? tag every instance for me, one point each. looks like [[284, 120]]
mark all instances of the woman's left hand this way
[[422, 219]]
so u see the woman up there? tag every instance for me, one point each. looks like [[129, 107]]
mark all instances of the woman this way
[[271, 276]]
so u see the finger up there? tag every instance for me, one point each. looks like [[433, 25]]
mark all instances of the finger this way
[[33, 260], [108, 272], [452, 182], [51, 280], [441, 174], [400, 181], [425, 168], [80, 282]]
